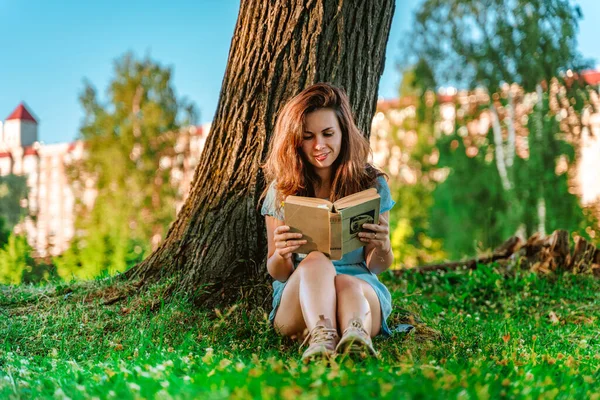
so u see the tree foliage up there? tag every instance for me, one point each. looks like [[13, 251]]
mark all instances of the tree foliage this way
[[486, 43], [4, 232], [410, 144], [15, 252], [517, 51], [13, 190], [15, 260], [126, 139]]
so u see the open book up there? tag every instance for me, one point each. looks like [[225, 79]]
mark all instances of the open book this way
[[332, 228]]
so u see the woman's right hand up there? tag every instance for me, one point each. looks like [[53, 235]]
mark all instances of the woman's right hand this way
[[286, 242]]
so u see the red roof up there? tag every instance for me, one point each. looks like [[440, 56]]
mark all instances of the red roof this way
[[198, 131], [446, 98], [21, 113], [29, 150], [75, 144], [591, 77], [72, 146]]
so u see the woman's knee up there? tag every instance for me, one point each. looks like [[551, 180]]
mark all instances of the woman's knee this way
[[347, 283], [317, 257], [316, 263]]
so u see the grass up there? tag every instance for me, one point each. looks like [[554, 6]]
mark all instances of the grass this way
[[485, 334]]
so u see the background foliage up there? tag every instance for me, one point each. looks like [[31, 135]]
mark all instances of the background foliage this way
[[513, 62], [127, 137]]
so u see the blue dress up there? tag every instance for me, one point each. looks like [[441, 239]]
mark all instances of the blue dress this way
[[352, 263]]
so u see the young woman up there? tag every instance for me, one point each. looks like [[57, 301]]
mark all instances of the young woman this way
[[318, 151]]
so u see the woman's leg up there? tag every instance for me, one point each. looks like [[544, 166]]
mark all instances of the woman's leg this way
[[310, 292], [357, 299]]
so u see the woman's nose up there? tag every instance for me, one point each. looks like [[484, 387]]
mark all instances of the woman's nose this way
[[319, 141]]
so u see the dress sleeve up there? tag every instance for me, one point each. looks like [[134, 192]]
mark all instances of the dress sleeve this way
[[269, 206], [384, 192]]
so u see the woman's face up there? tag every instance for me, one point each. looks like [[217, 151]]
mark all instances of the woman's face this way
[[322, 138]]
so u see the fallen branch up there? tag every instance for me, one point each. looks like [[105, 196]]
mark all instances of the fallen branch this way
[[502, 252], [538, 254]]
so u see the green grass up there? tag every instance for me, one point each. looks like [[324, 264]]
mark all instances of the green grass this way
[[485, 334]]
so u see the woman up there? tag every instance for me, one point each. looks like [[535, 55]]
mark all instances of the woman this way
[[318, 151]]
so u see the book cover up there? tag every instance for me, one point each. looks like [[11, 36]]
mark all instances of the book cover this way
[[312, 221], [331, 228], [352, 219]]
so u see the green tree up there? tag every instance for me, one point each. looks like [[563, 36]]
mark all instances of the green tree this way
[[13, 190], [4, 232], [487, 43], [126, 139], [490, 44], [15, 260]]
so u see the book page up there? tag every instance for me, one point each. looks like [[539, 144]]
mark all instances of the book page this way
[[309, 201], [356, 198]]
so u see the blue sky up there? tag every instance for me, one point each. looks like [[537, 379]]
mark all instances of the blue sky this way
[[48, 48]]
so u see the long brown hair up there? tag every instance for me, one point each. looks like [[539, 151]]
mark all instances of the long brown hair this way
[[287, 166]]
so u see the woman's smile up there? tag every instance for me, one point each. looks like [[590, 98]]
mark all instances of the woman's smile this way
[[321, 157]]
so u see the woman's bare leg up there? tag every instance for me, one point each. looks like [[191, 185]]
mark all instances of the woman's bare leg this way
[[356, 298], [310, 292]]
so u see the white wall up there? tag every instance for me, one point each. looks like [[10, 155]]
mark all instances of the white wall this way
[[18, 133], [5, 166], [589, 162]]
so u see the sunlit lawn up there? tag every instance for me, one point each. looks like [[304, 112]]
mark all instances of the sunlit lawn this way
[[514, 335]]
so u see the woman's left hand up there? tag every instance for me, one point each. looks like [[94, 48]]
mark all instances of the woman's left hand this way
[[379, 234]]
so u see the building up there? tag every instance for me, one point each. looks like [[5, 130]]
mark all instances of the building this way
[[51, 198], [392, 142]]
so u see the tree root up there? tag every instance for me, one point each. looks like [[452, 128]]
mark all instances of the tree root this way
[[543, 255]]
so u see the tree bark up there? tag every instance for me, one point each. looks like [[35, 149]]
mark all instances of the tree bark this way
[[511, 146], [499, 148], [541, 204], [217, 243]]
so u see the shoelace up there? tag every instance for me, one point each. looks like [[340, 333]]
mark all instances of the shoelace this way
[[357, 324], [320, 334]]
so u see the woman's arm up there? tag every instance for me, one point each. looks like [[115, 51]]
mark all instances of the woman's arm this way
[[281, 246], [378, 251]]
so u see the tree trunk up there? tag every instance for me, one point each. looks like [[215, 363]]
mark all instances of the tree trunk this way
[[539, 126], [217, 243], [499, 148], [510, 148]]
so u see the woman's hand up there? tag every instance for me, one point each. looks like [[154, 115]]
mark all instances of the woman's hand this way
[[379, 235], [378, 251], [286, 242]]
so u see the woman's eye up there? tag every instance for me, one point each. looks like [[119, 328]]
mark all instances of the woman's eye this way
[[328, 134], [306, 137]]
